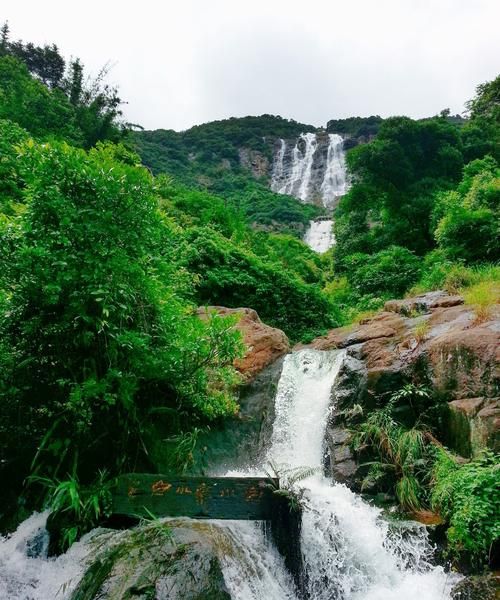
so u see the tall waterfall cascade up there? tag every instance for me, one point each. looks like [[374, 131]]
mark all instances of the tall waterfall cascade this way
[[349, 551], [313, 170]]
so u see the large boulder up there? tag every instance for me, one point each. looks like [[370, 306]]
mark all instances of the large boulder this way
[[264, 344], [179, 560], [433, 340]]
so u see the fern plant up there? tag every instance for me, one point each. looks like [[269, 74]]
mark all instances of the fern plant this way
[[288, 478]]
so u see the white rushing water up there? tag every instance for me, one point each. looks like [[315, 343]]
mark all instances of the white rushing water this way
[[253, 570], [335, 180], [25, 571], [304, 172], [349, 551], [296, 182], [319, 235], [252, 567], [293, 169]]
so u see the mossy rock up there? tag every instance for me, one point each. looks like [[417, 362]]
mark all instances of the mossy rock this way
[[175, 560], [481, 587]]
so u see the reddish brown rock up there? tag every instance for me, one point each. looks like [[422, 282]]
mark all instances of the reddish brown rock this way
[[264, 344], [445, 349], [383, 325], [464, 360]]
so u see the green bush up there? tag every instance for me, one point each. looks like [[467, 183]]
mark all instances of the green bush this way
[[230, 276], [98, 343], [467, 496], [388, 272], [469, 218]]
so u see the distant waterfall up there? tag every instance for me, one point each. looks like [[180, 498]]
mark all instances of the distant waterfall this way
[[294, 177], [335, 180], [314, 171]]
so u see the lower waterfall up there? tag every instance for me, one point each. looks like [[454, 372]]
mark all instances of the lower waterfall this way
[[319, 235], [349, 551]]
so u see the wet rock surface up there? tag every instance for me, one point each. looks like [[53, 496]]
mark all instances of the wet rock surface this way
[[433, 340], [482, 587], [179, 561], [239, 441]]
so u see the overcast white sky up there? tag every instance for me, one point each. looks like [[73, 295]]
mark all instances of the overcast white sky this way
[[183, 62]]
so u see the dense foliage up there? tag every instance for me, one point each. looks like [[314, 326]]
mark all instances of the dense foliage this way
[[467, 496], [96, 334], [418, 186], [468, 217], [355, 127], [209, 157]]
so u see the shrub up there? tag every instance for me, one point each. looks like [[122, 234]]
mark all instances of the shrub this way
[[468, 218], [97, 343], [390, 272], [232, 276], [466, 495]]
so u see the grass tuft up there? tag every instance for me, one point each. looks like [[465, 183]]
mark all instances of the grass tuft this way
[[483, 297], [420, 331]]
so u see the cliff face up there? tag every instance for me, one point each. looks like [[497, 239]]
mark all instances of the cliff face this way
[[433, 340]]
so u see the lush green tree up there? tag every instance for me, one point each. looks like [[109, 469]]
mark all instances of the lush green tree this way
[[468, 219], [97, 342], [481, 135], [39, 93], [486, 103], [31, 104], [395, 179], [229, 275], [355, 127], [389, 272]]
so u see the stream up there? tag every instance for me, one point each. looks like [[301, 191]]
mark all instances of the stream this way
[[349, 550]]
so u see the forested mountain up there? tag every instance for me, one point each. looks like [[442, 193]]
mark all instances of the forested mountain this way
[[110, 240]]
